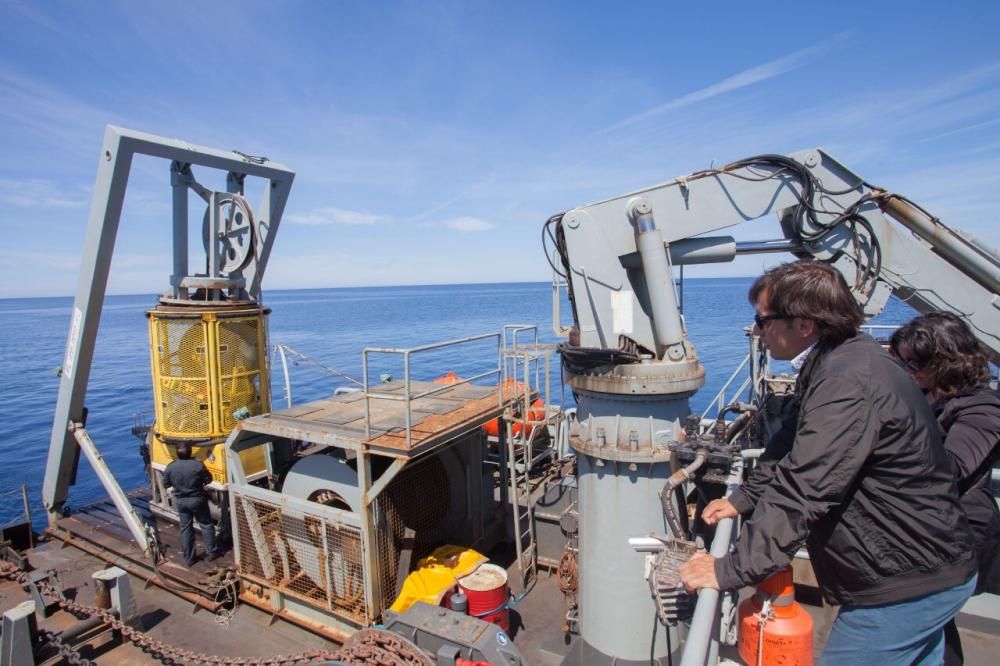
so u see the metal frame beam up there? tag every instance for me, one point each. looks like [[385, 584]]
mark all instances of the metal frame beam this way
[[115, 162]]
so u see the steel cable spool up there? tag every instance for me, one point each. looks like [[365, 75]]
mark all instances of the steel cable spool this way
[[331, 482]]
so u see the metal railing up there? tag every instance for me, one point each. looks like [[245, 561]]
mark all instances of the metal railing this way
[[702, 644], [719, 400], [408, 396]]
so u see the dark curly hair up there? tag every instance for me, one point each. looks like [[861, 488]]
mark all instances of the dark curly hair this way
[[943, 344], [811, 290]]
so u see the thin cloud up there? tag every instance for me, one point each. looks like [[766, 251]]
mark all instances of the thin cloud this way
[[748, 77], [468, 224], [321, 216], [36, 193], [961, 130]]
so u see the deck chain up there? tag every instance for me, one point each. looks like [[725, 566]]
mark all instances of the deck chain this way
[[67, 652], [369, 647]]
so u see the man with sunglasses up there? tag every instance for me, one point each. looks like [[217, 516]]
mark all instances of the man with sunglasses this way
[[859, 475]]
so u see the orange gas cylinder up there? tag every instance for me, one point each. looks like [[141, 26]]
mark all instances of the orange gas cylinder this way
[[781, 633]]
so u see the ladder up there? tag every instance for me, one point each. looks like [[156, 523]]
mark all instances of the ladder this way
[[519, 448], [527, 367]]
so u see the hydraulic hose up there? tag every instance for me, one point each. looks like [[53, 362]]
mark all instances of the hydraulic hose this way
[[666, 495]]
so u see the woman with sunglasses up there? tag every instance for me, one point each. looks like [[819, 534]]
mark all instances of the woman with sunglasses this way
[[952, 368]]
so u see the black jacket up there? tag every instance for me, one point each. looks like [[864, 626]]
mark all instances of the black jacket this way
[[972, 438], [862, 478], [188, 478]]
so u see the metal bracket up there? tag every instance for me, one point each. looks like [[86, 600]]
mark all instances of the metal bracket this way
[[116, 583], [32, 587], [19, 635]]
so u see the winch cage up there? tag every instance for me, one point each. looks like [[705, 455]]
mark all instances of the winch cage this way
[[272, 532], [271, 538]]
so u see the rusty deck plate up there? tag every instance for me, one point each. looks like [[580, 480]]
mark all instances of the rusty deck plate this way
[[435, 419], [99, 530]]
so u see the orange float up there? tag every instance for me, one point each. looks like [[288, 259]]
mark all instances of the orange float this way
[[783, 634], [536, 413], [449, 377], [511, 389]]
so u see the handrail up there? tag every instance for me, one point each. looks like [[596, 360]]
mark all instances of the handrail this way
[[719, 398], [701, 638], [408, 396]]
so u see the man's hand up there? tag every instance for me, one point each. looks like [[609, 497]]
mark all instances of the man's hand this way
[[699, 572], [717, 510]]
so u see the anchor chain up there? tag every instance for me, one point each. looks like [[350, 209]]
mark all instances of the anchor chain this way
[[369, 647], [67, 652]]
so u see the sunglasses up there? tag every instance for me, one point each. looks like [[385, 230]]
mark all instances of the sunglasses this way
[[911, 366], [760, 320]]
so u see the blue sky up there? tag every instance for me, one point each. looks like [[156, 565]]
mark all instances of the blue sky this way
[[432, 139]]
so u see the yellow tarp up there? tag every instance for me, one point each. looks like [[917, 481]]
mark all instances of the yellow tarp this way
[[436, 574]]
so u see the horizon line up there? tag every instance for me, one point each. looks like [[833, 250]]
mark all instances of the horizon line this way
[[372, 286]]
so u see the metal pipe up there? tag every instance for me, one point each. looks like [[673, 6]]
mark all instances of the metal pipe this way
[[667, 329], [706, 610], [111, 485], [180, 174], [73, 632], [288, 383], [974, 262], [714, 250], [368, 414], [767, 246], [27, 514], [406, 392], [436, 345]]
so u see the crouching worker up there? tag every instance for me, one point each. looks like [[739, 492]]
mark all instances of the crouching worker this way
[[862, 478], [188, 477]]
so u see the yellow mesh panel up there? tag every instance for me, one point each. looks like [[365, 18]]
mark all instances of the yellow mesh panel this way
[[184, 406], [208, 364], [239, 369]]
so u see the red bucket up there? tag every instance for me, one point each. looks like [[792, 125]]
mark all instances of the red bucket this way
[[486, 588]]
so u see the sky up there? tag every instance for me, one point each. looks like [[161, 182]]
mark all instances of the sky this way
[[431, 140]]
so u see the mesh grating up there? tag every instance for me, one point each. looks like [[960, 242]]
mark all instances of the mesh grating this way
[[205, 369], [317, 560], [419, 499], [184, 407], [388, 542], [422, 495], [239, 369]]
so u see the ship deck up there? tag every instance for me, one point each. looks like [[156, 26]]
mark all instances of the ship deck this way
[[99, 530], [188, 610]]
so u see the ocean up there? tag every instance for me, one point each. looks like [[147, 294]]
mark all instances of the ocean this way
[[330, 326]]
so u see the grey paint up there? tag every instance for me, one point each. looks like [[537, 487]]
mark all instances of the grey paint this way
[[114, 164], [601, 244]]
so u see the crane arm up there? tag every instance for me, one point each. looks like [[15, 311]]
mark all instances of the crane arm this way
[[823, 210]]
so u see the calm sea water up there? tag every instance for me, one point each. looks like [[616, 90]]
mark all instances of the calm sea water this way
[[331, 326]]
